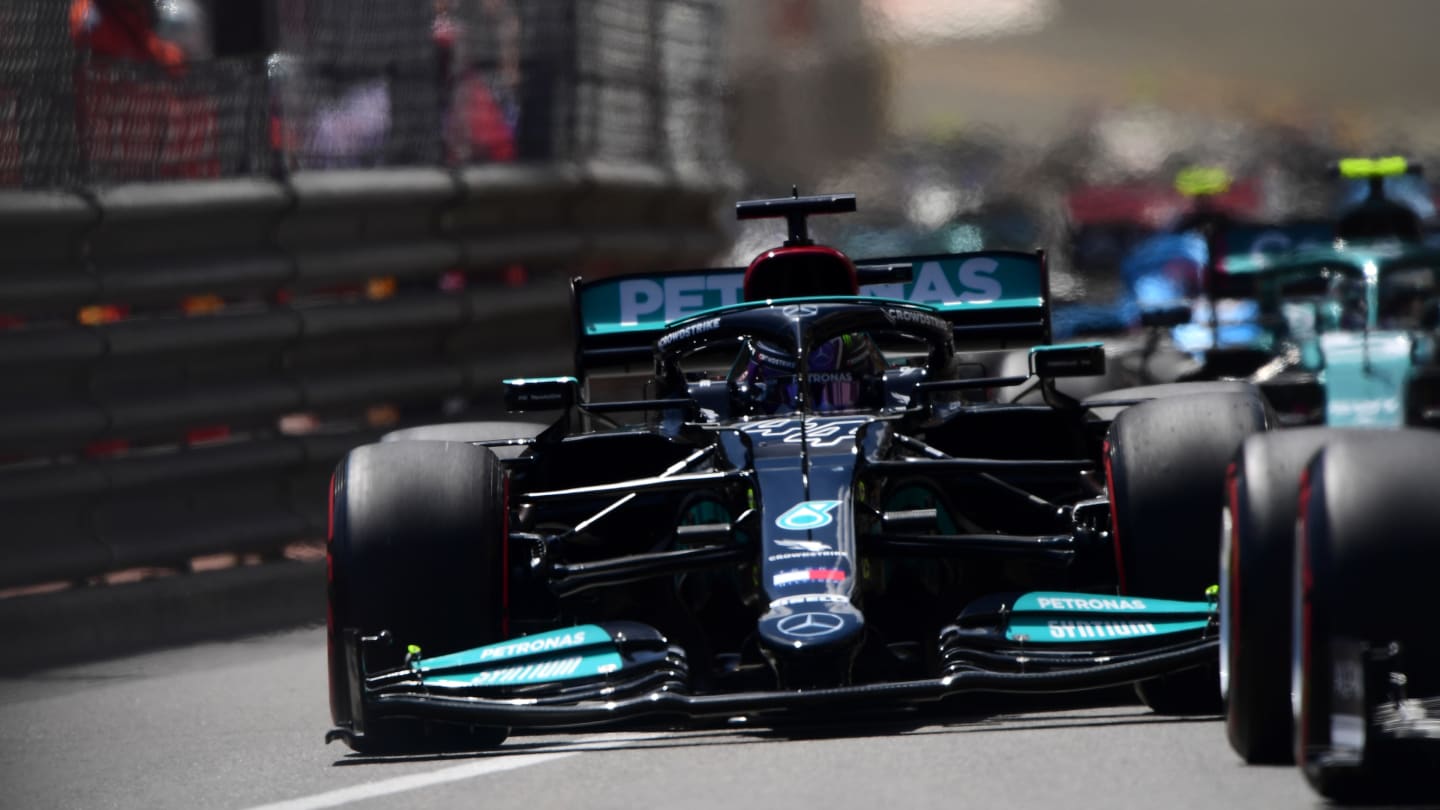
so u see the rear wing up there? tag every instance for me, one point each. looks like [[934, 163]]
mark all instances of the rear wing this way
[[1382, 256], [1258, 239], [1244, 243], [998, 298]]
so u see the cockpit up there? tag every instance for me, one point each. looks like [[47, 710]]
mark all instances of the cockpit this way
[[845, 373]]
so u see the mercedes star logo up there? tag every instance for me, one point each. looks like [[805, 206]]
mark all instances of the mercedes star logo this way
[[810, 625]]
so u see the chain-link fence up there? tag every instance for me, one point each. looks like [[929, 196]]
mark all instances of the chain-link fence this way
[[91, 93], [136, 122], [37, 96]]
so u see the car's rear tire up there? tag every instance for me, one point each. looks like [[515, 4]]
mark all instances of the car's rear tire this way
[[1367, 549], [1256, 567], [415, 548], [471, 432], [1165, 463]]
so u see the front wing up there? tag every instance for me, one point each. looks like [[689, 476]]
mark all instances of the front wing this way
[[632, 672]]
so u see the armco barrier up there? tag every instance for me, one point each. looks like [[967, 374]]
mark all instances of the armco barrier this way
[[182, 364]]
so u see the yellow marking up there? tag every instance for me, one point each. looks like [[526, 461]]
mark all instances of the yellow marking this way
[[1202, 181], [1364, 168]]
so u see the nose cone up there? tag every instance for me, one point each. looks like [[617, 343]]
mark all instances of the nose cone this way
[[800, 625]]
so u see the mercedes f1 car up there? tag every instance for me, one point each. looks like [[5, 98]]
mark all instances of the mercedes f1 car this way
[[805, 494]]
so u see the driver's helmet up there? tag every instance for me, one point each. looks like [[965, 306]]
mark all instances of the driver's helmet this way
[[846, 373]]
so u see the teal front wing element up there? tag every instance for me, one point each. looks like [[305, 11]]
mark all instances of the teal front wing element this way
[[561, 667], [570, 653], [1057, 617], [1057, 629], [1061, 602], [644, 303]]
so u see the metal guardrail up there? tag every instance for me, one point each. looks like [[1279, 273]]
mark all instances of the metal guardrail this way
[[219, 276], [152, 434]]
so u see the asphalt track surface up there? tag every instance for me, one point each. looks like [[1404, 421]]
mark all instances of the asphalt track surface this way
[[240, 724]]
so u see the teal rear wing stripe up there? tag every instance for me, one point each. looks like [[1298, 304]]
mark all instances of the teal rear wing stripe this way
[[986, 295]]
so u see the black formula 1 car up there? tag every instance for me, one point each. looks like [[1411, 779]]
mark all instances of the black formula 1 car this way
[[813, 498]]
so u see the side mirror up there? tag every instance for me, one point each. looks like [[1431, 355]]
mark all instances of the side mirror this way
[[541, 393], [1071, 360], [1167, 316]]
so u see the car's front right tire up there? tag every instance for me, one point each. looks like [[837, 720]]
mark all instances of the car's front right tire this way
[[1165, 463]]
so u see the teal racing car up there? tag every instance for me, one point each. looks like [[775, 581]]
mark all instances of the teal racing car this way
[[1345, 335], [1330, 530]]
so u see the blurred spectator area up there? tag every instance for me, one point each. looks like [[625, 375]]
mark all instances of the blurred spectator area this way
[[96, 92], [810, 88]]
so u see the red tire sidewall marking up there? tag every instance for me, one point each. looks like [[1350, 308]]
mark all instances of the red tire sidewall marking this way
[[1106, 452]]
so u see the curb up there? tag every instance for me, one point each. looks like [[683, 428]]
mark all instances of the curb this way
[[89, 624]]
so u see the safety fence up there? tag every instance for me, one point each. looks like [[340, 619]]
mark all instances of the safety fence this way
[[183, 363], [360, 84], [191, 336]]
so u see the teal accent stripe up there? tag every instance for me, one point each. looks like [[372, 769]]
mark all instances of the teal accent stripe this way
[[558, 667], [1060, 630], [1072, 618], [1091, 603], [569, 639]]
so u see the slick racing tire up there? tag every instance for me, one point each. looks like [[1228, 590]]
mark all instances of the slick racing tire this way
[[1165, 463], [471, 432], [1366, 666], [1257, 548], [415, 548]]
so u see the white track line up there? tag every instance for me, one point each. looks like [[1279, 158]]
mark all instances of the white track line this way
[[416, 781]]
